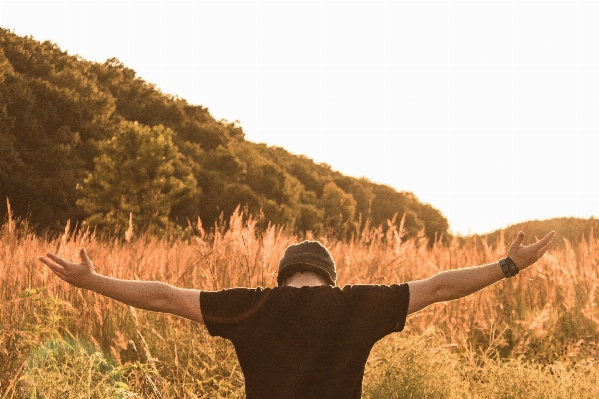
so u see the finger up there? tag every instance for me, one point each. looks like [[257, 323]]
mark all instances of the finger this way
[[52, 265], [549, 237], [84, 258], [545, 242], [60, 275], [59, 260], [542, 250]]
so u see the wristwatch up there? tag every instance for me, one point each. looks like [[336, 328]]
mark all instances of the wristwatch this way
[[509, 267]]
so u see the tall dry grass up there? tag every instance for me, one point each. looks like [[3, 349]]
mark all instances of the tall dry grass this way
[[59, 341]]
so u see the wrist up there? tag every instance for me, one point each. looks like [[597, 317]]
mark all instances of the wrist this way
[[88, 281], [508, 267]]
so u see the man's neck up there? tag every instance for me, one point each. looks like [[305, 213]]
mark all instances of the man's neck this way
[[305, 279]]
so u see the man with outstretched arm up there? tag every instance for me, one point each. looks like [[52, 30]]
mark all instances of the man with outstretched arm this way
[[306, 338]]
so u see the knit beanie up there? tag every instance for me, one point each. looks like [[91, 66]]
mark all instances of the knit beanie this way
[[307, 256]]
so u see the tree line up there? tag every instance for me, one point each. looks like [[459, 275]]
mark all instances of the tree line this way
[[95, 144]]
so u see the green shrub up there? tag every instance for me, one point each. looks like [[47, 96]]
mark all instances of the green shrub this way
[[410, 366], [63, 369]]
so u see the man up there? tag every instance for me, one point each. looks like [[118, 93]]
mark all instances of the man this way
[[305, 338]]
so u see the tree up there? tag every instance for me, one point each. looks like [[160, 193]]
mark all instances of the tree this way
[[309, 219], [140, 172], [339, 210]]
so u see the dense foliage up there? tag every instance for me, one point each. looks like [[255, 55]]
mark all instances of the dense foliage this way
[[95, 144]]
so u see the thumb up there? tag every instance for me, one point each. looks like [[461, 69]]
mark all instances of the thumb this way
[[84, 258], [517, 241]]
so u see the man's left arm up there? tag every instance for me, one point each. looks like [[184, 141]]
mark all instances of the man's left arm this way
[[454, 284]]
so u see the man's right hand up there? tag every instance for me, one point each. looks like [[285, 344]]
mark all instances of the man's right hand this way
[[76, 274]]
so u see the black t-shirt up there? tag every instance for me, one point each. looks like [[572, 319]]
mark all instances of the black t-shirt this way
[[309, 342]]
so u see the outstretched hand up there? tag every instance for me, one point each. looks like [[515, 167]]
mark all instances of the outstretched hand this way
[[73, 273], [524, 256]]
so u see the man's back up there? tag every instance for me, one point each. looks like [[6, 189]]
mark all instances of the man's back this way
[[309, 342]]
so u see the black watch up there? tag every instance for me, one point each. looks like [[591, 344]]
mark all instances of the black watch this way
[[509, 267]]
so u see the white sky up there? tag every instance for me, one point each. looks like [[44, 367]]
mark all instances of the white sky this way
[[489, 111]]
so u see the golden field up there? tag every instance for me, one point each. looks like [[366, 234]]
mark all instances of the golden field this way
[[535, 335]]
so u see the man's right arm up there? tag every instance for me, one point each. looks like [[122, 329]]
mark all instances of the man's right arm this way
[[149, 295]]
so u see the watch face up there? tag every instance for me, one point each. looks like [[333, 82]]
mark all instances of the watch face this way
[[512, 266]]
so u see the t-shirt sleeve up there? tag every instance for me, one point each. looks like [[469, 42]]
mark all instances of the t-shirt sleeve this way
[[227, 312], [381, 309]]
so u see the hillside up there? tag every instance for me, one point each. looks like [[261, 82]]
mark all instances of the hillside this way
[[97, 145], [575, 230]]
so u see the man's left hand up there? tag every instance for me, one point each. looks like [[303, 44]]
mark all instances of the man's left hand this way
[[524, 256]]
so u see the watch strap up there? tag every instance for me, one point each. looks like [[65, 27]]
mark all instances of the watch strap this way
[[508, 267]]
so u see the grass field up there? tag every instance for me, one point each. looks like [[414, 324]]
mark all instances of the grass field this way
[[533, 336]]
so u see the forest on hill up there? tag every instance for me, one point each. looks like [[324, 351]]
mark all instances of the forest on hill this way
[[95, 144]]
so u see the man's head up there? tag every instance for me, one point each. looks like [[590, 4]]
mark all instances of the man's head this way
[[307, 256]]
